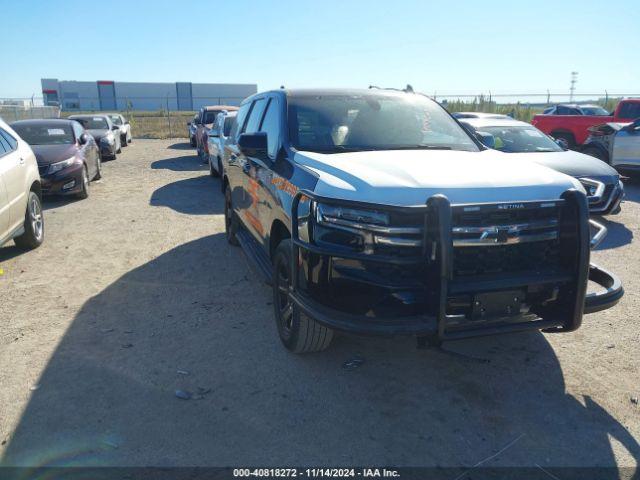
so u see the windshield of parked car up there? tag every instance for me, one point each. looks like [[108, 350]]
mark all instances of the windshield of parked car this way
[[92, 123], [116, 119], [210, 117], [520, 139], [343, 122], [45, 134], [594, 111]]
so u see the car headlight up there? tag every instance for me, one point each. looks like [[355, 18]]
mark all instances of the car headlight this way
[[350, 217], [56, 167], [594, 188], [108, 138]]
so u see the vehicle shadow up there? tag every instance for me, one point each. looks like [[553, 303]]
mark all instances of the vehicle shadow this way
[[618, 235], [181, 146], [195, 319], [56, 201], [9, 251], [180, 164], [632, 189], [195, 196]]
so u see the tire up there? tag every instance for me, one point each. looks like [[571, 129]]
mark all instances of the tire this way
[[123, 141], [98, 174], [567, 137], [298, 332], [212, 171], [84, 193], [193, 142], [597, 153], [230, 219], [33, 224]]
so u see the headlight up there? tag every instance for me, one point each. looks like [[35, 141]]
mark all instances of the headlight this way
[[594, 188], [350, 217], [108, 138], [56, 167]]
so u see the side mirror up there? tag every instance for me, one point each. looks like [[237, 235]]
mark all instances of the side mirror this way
[[486, 139], [253, 144], [115, 127], [84, 139]]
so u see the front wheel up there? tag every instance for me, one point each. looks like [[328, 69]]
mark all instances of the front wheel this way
[[298, 332], [123, 140], [230, 219], [84, 192], [33, 224], [98, 175], [212, 171]]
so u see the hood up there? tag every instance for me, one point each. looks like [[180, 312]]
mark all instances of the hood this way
[[97, 134], [569, 162], [47, 154], [409, 177]]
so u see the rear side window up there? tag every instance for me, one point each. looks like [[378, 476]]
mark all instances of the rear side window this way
[[630, 111], [255, 116], [240, 117], [5, 146], [13, 143]]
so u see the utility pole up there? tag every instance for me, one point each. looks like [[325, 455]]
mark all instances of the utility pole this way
[[572, 89]]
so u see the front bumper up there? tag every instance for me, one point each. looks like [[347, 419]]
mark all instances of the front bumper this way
[[342, 290], [64, 182], [107, 149]]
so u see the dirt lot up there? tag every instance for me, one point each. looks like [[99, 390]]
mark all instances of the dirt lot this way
[[136, 294]]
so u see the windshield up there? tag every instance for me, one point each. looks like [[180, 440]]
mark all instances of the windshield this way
[[341, 122], [521, 139], [116, 119], [92, 123], [45, 134], [594, 111]]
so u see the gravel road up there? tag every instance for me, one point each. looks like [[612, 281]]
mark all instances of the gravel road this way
[[136, 294]]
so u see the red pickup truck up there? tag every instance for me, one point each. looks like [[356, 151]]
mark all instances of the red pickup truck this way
[[571, 123]]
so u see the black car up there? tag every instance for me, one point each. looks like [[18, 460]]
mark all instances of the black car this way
[[375, 212], [68, 157], [104, 131]]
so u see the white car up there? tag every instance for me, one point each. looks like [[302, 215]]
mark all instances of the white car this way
[[216, 139], [124, 126], [616, 143], [21, 218]]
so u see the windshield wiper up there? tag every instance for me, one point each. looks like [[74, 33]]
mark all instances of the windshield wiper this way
[[419, 147]]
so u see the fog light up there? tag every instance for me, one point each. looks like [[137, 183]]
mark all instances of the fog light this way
[[69, 185]]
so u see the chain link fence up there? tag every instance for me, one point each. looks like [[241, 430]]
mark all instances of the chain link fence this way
[[169, 122]]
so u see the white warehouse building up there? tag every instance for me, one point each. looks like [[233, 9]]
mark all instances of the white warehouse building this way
[[109, 95]]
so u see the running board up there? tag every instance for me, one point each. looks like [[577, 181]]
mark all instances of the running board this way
[[258, 259]]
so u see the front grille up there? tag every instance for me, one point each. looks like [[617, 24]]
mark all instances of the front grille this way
[[494, 239]]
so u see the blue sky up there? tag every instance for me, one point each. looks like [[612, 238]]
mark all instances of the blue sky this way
[[443, 47]]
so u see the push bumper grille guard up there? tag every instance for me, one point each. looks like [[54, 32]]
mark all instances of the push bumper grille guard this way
[[437, 214]]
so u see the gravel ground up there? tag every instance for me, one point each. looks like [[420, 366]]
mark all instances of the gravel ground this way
[[135, 294]]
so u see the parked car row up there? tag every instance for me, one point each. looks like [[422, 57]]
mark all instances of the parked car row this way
[[54, 156], [201, 126], [376, 212]]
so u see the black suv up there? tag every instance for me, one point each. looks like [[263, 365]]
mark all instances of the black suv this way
[[375, 212]]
